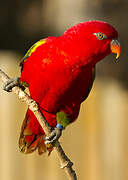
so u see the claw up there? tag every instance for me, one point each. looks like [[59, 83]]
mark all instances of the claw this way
[[12, 83], [54, 136]]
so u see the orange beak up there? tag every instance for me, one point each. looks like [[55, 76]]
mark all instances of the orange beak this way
[[115, 47]]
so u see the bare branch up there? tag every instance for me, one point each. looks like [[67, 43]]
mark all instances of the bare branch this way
[[65, 162]]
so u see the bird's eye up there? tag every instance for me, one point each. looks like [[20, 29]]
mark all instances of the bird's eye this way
[[100, 36]]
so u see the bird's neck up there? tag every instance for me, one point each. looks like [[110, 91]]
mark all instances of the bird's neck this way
[[78, 50]]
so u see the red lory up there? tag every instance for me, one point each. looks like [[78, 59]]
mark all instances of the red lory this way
[[59, 72]]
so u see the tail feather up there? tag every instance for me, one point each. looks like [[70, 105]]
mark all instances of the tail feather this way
[[32, 136], [41, 146]]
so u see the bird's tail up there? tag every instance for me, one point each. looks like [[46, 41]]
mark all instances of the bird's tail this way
[[32, 135]]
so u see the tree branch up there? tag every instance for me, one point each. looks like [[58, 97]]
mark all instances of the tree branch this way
[[65, 162]]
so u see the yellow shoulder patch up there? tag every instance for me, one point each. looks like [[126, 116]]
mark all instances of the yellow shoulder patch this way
[[31, 50], [34, 47]]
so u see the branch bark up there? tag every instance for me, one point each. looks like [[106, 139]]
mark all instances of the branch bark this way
[[65, 162]]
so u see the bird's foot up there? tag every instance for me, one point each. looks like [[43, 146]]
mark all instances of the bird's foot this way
[[54, 136], [12, 83]]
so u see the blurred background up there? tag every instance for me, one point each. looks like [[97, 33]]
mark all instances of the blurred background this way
[[97, 142]]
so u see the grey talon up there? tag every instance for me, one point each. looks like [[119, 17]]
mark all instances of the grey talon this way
[[54, 136], [12, 83]]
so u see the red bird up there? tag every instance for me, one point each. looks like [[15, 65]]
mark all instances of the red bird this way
[[59, 72]]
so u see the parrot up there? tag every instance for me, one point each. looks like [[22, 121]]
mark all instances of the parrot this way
[[59, 73]]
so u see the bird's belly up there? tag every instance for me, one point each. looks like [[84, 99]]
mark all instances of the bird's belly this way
[[57, 90]]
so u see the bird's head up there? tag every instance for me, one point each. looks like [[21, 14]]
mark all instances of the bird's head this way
[[98, 39]]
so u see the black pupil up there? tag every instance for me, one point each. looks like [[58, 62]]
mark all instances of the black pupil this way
[[100, 35]]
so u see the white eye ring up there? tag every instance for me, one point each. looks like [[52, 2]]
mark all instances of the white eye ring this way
[[100, 35]]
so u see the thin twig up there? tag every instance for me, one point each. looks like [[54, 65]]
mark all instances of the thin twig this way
[[65, 162]]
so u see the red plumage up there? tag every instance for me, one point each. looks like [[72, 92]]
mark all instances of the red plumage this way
[[60, 73]]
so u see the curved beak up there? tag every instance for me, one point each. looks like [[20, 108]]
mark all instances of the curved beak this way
[[115, 47]]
